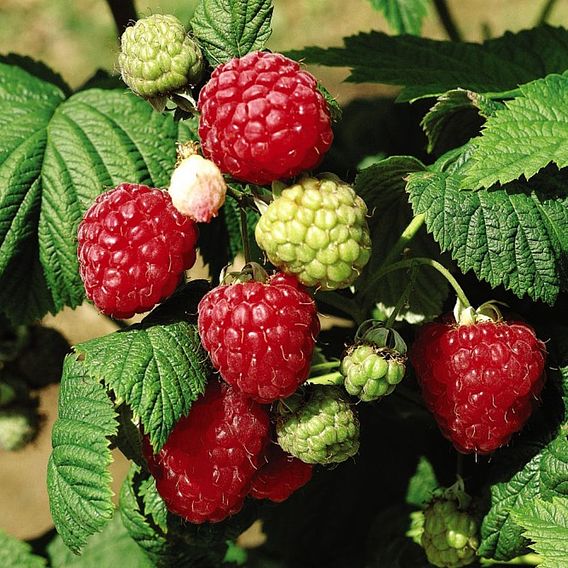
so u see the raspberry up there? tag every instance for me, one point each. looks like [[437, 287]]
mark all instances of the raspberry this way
[[133, 249], [323, 429], [158, 57], [281, 476], [481, 380], [371, 372], [263, 118], [205, 469], [197, 188], [260, 337], [317, 230], [449, 535]]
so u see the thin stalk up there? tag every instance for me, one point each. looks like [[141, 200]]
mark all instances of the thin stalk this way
[[324, 367], [327, 380], [345, 305], [545, 12], [406, 236], [401, 301], [244, 235], [530, 559], [123, 13], [412, 262], [447, 20]]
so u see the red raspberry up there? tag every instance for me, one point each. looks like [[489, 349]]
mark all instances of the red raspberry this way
[[260, 337], [205, 469], [481, 381], [263, 118], [281, 476], [133, 249]]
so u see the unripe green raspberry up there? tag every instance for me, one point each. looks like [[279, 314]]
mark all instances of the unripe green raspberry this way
[[158, 57], [18, 427], [317, 230], [371, 372], [323, 429], [450, 535]]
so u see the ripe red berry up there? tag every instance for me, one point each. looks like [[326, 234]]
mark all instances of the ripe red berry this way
[[205, 469], [481, 381], [260, 337], [263, 118], [281, 476], [133, 249]]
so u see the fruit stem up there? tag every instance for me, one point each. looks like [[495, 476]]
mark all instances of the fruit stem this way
[[447, 20], [402, 300], [244, 234], [123, 13], [315, 369], [413, 262], [327, 380], [545, 12]]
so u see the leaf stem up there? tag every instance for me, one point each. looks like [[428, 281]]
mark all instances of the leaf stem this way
[[530, 559], [324, 367], [412, 262], [123, 13], [545, 12], [447, 20]]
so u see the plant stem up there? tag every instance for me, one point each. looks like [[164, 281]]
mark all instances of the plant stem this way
[[324, 367], [447, 20], [530, 559], [545, 12], [412, 262], [244, 234], [123, 12]]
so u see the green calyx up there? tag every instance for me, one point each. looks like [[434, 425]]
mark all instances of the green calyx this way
[[18, 427], [158, 57], [321, 429], [450, 531], [317, 230], [371, 372]]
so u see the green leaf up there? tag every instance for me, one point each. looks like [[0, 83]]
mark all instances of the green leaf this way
[[113, 546], [149, 538], [17, 554], [154, 506], [456, 117], [546, 525], [78, 480], [157, 369], [515, 235], [520, 140], [422, 484], [428, 67], [544, 476], [382, 188], [56, 156], [231, 28], [404, 16]]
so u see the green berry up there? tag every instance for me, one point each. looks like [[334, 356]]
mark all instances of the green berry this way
[[18, 427], [158, 57], [322, 429], [450, 535], [372, 372], [317, 230]]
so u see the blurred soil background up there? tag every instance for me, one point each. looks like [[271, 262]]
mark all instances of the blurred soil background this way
[[77, 37]]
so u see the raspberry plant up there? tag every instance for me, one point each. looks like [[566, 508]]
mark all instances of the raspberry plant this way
[[229, 400]]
